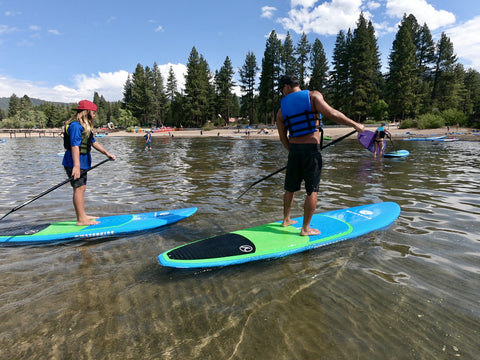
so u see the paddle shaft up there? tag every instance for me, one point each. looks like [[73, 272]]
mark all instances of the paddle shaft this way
[[50, 190], [390, 137], [279, 170]]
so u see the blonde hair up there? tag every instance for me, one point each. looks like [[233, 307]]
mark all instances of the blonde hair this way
[[84, 118]]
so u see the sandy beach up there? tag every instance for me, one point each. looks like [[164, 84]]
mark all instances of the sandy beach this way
[[334, 132]]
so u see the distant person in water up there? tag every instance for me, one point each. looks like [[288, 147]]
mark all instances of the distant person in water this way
[[78, 140], [297, 122], [148, 140], [379, 141]]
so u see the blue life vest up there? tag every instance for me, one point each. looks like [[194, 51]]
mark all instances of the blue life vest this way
[[297, 114]]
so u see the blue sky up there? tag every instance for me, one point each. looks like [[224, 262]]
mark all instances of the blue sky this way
[[64, 51]]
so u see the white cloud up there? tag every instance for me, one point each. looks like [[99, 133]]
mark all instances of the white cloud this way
[[179, 70], [159, 28], [372, 5], [110, 85], [466, 41], [423, 12], [267, 11], [327, 18], [54, 32]]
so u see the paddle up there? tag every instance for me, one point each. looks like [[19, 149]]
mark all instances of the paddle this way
[[276, 172], [394, 148], [50, 190]]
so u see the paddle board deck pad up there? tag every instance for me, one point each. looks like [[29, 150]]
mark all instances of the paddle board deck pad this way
[[108, 226], [367, 139], [273, 241], [397, 153]]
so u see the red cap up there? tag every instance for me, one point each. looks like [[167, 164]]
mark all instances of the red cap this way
[[86, 105]]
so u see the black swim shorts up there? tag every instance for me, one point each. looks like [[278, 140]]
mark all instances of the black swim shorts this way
[[82, 180], [304, 164]]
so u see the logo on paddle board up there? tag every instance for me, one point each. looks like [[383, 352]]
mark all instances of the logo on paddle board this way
[[363, 213], [246, 248]]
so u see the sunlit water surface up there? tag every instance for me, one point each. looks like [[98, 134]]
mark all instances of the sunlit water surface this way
[[408, 292]]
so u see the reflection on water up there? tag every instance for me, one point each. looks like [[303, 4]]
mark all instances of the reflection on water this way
[[409, 292]]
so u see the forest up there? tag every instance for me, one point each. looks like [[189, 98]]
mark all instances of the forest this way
[[425, 85]]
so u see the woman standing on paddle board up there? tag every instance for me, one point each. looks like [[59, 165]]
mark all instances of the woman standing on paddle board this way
[[299, 116], [78, 140]]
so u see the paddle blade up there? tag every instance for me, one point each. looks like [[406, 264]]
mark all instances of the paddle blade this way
[[366, 139]]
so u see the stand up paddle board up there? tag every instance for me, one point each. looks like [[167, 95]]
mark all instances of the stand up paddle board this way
[[273, 241], [108, 226], [397, 153]]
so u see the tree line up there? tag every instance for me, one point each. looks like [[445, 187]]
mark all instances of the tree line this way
[[425, 85]]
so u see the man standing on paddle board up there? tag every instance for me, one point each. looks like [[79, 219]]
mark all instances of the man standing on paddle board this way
[[299, 116], [78, 140]]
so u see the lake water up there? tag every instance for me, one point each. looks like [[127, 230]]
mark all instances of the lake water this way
[[408, 292]]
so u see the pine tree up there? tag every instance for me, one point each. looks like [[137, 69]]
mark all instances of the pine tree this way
[[288, 61], [365, 68], [425, 64], [248, 73], [225, 84], [402, 79], [303, 56], [339, 84], [14, 106], [269, 77], [140, 93], [171, 85], [159, 97], [318, 66], [199, 93], [471, 105], [443, 95]]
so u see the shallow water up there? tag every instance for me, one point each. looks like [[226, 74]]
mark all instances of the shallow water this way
[[408, 292]]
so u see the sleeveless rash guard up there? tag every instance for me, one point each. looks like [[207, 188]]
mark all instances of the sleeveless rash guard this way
[[297, 114]]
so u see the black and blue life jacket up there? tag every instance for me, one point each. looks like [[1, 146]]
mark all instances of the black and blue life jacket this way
[[297, 113], [86, 145]]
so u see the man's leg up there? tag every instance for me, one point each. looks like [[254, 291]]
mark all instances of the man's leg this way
[[287, 206], [308, 210]]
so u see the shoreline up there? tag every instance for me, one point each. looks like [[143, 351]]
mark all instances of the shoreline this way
[[463, 134]]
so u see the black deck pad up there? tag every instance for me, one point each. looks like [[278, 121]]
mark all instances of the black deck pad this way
[[214, 247], [23, 230]]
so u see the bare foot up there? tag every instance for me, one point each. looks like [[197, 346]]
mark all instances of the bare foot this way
[[288, 222], [310, 231], [87, 222], [92, 217]]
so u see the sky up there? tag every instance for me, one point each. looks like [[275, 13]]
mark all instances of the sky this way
[[66, 50]]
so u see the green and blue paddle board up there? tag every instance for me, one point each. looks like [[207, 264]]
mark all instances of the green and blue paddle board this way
[[273, 241], [108, 226]]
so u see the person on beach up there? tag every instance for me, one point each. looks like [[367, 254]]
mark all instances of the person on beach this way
[[148, 140], [298, 117], [379, 142], [78, 140]]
